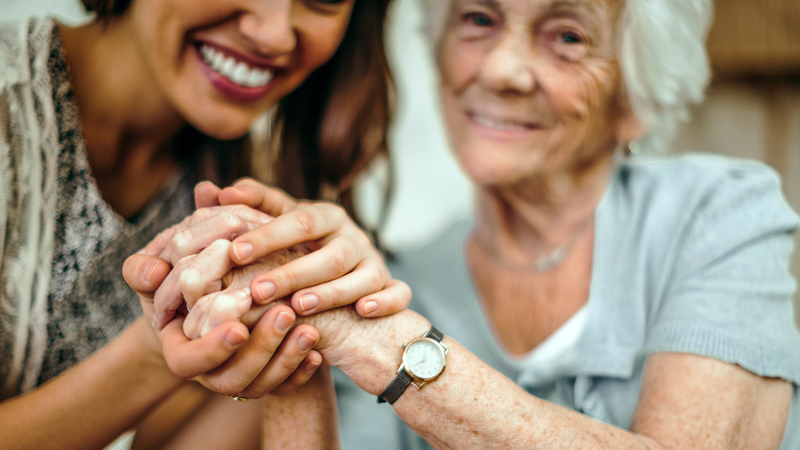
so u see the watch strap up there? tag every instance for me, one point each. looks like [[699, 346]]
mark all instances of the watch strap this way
[[396, 388], [403, 379], [435, 334]]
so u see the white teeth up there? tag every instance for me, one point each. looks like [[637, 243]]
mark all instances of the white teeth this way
[[217, 60], [498, 125], [238, 72], [256, 77], [241, 75]]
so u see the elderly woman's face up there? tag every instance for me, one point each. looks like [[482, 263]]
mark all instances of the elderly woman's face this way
[[530, 86], [221, 63]]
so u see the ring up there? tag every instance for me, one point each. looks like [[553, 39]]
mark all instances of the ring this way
[[239, 398]]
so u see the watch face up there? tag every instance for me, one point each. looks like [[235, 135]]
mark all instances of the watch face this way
[[424, 359]]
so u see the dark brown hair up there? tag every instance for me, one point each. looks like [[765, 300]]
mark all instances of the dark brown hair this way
[[327, 131]]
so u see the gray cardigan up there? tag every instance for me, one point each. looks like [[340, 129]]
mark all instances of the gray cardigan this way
[[691, 255]]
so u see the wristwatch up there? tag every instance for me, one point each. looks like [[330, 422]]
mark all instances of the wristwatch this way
[[424, 359]]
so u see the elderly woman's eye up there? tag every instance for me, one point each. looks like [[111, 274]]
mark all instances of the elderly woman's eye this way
[[571, 38], [478, 19]]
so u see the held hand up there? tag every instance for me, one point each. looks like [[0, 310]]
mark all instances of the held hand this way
[[178, 245], [273, 358], [343, 267]]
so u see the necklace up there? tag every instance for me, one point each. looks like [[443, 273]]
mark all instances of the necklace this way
[[544, 263]]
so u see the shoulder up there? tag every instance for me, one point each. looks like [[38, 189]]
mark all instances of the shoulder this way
[[704, 197]]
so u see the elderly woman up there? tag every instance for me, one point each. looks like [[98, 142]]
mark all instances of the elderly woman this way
[[593, 301]]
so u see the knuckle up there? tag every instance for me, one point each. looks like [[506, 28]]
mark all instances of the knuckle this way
[[289, 365], [338, 260], [375, 278], [181, 242], [334, 295], [306, 222], [230, 221]]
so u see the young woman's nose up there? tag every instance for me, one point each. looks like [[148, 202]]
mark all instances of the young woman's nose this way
[[507, 67], [269, 26]]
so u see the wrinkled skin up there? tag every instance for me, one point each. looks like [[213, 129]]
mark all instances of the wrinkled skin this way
[[233, 300]]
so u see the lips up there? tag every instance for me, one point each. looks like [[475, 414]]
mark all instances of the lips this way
[[501, 124], [236, 77], [234, 70]]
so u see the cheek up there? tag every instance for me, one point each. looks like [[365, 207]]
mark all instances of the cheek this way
[[318, 40], [458, 63]]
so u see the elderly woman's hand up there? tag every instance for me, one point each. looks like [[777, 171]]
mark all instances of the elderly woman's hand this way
[[343, 267], [230, 359]]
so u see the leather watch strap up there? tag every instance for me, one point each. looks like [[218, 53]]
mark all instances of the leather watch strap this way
[[403, 379], [396, 388], [435, 334]]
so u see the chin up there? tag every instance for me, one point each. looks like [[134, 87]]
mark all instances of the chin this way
[[224, 128]]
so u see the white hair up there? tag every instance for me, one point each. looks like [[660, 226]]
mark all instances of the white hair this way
[[662, 57]]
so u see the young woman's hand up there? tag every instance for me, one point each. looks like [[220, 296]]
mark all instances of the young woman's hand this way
[[343, 267], [272, 358]]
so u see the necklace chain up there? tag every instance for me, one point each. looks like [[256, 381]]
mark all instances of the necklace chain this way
[[544, 263]]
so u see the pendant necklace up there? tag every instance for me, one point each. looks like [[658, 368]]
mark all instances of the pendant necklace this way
[[544, 263]]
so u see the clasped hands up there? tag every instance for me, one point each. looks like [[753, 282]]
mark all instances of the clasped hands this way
[[246, 264]]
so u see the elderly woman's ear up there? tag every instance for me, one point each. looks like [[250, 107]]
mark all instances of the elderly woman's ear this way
[[629, 127]]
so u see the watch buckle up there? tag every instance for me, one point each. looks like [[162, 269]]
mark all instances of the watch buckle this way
[[418, 386]]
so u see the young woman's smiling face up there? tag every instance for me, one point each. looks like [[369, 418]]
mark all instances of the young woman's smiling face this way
[[531, 87], [221, 63]]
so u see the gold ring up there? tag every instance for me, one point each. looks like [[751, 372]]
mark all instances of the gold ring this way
[[239, 398]]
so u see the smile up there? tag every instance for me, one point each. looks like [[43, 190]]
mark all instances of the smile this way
[[500, 125], [236, 71]]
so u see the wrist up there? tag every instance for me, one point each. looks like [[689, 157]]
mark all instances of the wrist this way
[[371, 353]]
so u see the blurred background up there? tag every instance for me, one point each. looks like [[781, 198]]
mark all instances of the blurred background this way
[[752, 110]]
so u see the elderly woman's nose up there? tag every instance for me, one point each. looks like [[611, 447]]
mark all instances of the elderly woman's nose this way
[[268, 24], [508, 66]]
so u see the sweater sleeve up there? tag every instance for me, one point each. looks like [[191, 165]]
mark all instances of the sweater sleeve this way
[[729, 294]]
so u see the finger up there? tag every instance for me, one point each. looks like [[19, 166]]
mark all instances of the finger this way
[[301, 225], [168, 298], [284, 362], [158, 245], [212, 310], [242, 368], [144, 274], [391, 299], [369, 276], [224, 225], [206, 194], [202, 274], [191, 358], [313, 269], [300, 376], [266, 199]]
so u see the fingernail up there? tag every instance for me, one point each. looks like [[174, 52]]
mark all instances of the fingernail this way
[[306, 342], [370, 307], [308, 302], [265, 290], [200, 184], [235, 337], [243, 293], [147, 273], [284, 322], [311, 365], [243, 250]]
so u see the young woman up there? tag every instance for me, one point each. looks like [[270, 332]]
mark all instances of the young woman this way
[[105, 128]]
